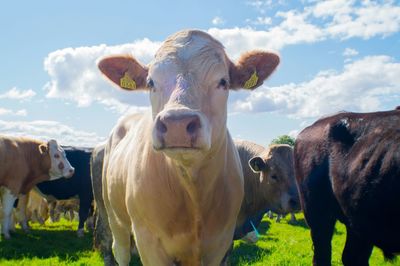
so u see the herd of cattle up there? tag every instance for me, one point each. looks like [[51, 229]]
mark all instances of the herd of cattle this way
[[173, 186]]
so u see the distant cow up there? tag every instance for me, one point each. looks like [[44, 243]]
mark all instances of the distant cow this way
[[63, 207], [348, 169], [173, 177], [79, 185], [269, 183], [31, 207], [102, 238], [24, 162]]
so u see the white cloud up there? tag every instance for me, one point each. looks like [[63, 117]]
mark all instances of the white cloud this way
[[369, 20], [343, 19], [4, 111], [21, 112], [218, 21], [74, 74], [45, 130], [350, 52], [364, 85], [17, 94]]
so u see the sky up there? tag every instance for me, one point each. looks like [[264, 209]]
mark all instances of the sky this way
[[335, 55]]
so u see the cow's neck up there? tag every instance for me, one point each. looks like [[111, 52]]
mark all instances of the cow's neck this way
[[256, 200], [39, 167]]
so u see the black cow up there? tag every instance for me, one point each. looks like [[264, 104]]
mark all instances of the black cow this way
[[80, 184], [348, 169]]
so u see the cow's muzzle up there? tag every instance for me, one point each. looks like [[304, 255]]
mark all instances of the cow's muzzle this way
[[179, 130]]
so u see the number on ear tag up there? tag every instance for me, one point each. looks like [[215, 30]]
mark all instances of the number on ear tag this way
[[127, 83]]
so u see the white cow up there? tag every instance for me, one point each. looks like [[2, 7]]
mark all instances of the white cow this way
[[173, 177]]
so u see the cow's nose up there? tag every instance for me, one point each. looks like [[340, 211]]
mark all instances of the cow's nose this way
[[178, 130], [71, 171]]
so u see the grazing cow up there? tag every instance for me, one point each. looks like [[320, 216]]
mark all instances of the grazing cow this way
[[102, 238], [59, 207], [173, 177], [24, 162], [79, 185], [348, 169], [31, 207]]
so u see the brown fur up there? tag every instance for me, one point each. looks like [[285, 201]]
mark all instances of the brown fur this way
[[267, 194], [22, 164]]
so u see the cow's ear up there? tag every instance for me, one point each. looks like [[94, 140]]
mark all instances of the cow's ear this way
[[257, 164], [43, 149], [252, 69], [124, 71]]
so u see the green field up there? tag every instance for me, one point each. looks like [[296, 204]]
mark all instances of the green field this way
[[279, 244]]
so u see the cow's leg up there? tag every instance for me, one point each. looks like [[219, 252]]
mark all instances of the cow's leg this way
[[23, 220], [322, 226], [84, 208], [356, 251], [121, 241], [150, 249], [8, 200], [292, 218]]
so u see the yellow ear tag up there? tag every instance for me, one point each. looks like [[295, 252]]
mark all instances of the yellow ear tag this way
[[252, 81], [127, 83]]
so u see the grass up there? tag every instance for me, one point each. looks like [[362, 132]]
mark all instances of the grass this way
[[280, 244]]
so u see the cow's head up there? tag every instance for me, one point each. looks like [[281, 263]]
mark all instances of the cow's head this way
[[59, 164], [277, 179], [189, 81]]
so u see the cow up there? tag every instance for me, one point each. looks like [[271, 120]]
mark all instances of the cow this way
[[63, 207], [269, 182], [24, 162], [32, 207], [78, 186], [172, 176], [102, 237], [348, 169]]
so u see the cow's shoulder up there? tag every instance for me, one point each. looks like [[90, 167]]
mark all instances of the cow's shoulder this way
[[123, 127]]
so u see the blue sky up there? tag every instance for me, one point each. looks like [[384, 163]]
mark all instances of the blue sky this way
[[335, 55]]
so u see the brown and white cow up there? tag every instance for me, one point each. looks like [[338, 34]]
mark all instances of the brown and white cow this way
[[24, 162], [348, 169], [173, 177]]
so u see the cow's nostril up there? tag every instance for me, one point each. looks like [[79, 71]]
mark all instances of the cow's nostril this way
[[193, 126], [161, 127]]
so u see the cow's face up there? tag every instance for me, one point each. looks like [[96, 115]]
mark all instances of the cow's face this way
[[189, 81], [59, 164], [277, 179]]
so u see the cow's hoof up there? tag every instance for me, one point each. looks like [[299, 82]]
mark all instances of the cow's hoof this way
[[80, 233]]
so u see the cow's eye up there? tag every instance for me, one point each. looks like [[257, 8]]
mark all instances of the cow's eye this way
[[150, 84], [223, 84], [56, 156], [274, 177]]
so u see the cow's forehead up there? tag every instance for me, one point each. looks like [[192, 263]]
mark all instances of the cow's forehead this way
[[188, 47]]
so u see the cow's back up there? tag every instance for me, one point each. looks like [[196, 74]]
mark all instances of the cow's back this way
[[349, 164], [14, 166]]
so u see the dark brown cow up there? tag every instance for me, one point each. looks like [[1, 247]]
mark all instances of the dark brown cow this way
[[348, 169]]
